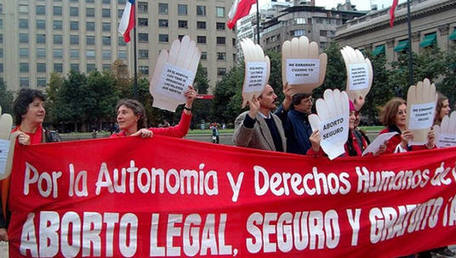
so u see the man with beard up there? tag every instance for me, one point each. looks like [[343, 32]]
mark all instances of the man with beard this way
[[259, 127]]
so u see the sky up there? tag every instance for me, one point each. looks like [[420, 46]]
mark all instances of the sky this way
[[360, 4]]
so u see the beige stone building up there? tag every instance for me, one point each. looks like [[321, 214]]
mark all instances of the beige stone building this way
[[38, 37], [433, 24]]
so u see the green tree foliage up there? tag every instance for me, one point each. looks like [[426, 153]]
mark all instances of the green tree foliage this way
[[448, 84], [6, 99], [335, 71]]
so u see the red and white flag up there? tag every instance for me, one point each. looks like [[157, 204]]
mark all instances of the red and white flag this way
[[392, 10], [239, 9], [127, 22]]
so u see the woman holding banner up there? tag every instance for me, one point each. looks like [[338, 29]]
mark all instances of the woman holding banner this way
[[394, 117], [132, 120], [29, 115]]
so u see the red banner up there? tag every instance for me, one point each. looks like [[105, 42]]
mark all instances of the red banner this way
[[172, 197]]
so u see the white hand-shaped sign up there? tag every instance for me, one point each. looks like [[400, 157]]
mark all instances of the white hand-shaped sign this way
[[257, 69], [359, 75], [303, 68], [445, 134], [173, 73], [332, 122], [6, 145], [421, 101]]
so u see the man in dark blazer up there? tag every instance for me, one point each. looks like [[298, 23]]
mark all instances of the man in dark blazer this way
[[259, 127]]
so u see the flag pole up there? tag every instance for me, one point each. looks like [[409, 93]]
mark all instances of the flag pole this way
[[410, 59], [135, 85], [258, 21]]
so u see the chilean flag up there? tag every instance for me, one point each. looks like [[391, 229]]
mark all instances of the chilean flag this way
[[239, 9], [127, 22], [392, 9]]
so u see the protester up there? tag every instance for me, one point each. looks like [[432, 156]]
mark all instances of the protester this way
[[132, 119], [297, 127], [259, 127], [442, 108], [394, 117], [215, 133], [29, 113]]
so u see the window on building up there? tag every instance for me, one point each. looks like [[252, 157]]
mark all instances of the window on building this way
[[233, 41], [201, 25], [90, 12], [74, 67], [40, 24], [143, 37], [144, 70], [90, 26], [119, 13], [24, 82], [74, 11], [143, 22], [40, 67], [220, 11], [220, 26], [121, 1], [182, 9], [163, 23], [105, 12], [40, 53], [401, 46], [221, 56], [90, 54], [201, 10], [74, 39], [41, 38], [163, 38], [121, 41], [298, 33], [1, 68], [106, 26], [220, 40], [143, 54], [201, 39], [300, 20], [323, 33], [162, 8], [23, 67], [23, 38], [23, 24], [40, 10], [182, 24], [429, 40], [57, 25], [74, 25], [106, 67], [58, 39], [204, 55], [74, 53], [90, 40], [106, 1], [142, 7], [106, 54], [24, 52], [91, 67], [106, 40], [221, 71], [122, 54], [1, 23], [57, 53], [41, 82], [57, 11], [58, 67], [23, 8]]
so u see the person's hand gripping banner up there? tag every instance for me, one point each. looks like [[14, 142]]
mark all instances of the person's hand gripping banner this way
[[7, 143], [174, 72], [421, 101], [359, 75], [303, 68], [445, 133], [332, 122], [257, 69]]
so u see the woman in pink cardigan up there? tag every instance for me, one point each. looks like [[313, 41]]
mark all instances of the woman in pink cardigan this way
[[132, 120]]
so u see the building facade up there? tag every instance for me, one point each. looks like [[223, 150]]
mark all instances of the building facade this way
[[433, 23], [316, 23], [38, 37]]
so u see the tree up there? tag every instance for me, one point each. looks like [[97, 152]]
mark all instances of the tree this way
[[6, 98], [336, 75], [52, 89]]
